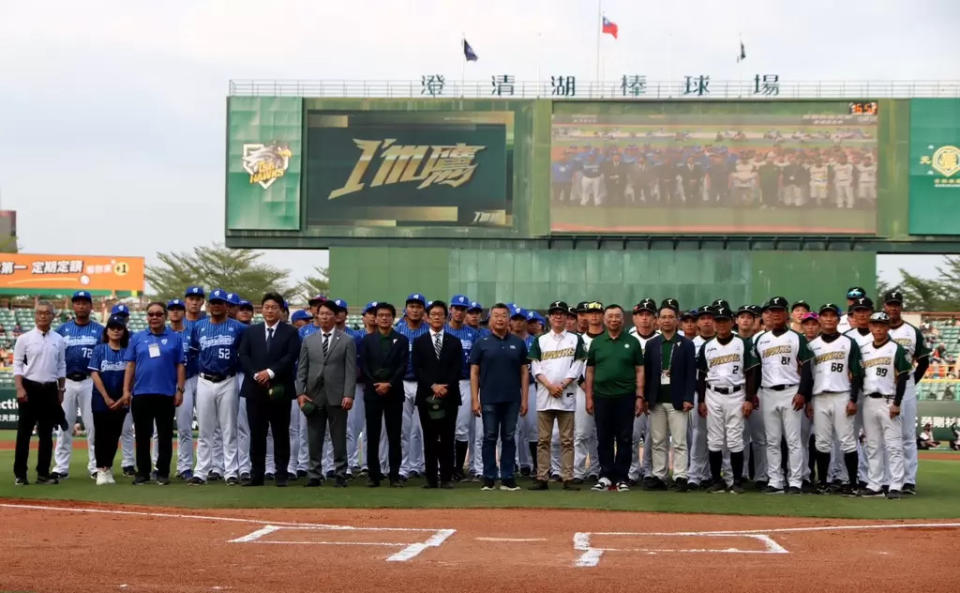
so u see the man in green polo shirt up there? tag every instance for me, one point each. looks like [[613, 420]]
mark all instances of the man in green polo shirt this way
[[614, 389]]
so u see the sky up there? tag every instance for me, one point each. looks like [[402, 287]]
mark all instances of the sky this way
[[112, 114]]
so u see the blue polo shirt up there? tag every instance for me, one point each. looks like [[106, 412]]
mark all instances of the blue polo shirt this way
[[80, 341], [111, 366], [499, 360], [156, 357]]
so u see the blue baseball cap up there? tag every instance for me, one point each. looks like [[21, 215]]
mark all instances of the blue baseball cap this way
[[81, 295], [301, 315], [245, 304], [175, 304], [417, 297], [371, 306], [219, 294], [120, 309], [475, 306], [194, 291], [517, 311], [116, 320], [459, 300], [341, 304], [534, 316], [233, 299]]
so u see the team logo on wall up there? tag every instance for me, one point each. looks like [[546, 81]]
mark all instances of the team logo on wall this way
[[266, 162], [944, 163]]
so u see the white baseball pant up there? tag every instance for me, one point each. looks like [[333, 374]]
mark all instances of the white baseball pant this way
[[699, 470], [908, 423], [77, 394], [355, 435], [411, 440], [127, 446], [883, 433], [528, 431], [831, 425], [780, 420], [806, 428], [757, 437], [184, 419], [217, 405], [724, 421], [584, 440]]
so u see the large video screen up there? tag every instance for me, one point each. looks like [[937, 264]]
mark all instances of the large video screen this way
[[720, 168], [409, 169]]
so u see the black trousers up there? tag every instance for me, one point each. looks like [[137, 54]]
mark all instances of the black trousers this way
[[107, 427], [390, 408], [438, 444], [146, 410], [39, 410], [614, 418], [262, 414]]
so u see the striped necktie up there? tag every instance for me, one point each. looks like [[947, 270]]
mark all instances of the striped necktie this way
[[326, 343], [438, 343]]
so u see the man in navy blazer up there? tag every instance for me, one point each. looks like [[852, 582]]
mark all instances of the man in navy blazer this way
[[383, 363], [268, 354], [670, 368]]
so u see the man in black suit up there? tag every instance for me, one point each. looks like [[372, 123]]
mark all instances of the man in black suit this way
[[268, 355], [383, 363], [437, 361]]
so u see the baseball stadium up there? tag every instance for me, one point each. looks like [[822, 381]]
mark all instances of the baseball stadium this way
[[587, 342]]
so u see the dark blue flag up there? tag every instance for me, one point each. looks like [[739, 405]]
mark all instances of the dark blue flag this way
[[468, 52]]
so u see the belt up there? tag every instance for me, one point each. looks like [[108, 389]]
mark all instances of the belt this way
[[876, 395], [77, 376], [781, 387], [215, 378], [727, 391]]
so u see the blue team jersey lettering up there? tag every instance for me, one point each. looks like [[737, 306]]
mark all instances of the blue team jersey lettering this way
[[216, 345], [80, 339], [111, 366], [410, 334]]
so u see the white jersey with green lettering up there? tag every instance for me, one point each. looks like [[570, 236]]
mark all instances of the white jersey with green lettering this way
[[835, 359], [780, 357], [881, 366]]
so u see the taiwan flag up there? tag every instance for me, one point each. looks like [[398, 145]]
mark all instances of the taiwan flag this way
[[609, 27]]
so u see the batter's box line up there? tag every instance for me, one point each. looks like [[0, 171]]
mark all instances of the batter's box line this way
[[591, 555], [410, 550]]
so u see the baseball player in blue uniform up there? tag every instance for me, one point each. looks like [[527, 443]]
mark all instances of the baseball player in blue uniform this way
[[81, 335], [411, 326], [466, 421], [355, 415], [176, 311], [215, 340]]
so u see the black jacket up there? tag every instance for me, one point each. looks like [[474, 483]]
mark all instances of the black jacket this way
[[683, 371], [372, 359], [282, 358], [428, 369]]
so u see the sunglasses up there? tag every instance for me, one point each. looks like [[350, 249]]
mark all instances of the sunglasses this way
[[155, 314]]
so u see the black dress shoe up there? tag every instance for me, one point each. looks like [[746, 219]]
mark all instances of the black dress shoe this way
[[373, 483], [281, 482], [301, 473], [341, 482], [312, 483], [446, 485], [395, 483], [249, 483], [268, 476], [539, 485]]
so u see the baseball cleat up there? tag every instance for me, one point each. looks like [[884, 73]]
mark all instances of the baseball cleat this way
[[909, 489], [793, 490], [772, 490], [539, 485], [893, 494], [868, 493], [623, 487], [716, 487]]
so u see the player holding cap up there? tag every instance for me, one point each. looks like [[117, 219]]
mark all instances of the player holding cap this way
[[886, 370], [837, 381], [724, 362], [215, 340], [918, 354], [466, 421], [785, 385], [81, 335]]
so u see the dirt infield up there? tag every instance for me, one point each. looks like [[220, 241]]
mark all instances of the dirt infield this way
[[80, 548]]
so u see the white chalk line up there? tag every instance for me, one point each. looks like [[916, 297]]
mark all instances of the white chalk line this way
[[789, 529], [410, 550], [591, 554]]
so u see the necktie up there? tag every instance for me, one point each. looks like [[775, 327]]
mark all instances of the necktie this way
[[326, 343], [269, 338], [438, 343]]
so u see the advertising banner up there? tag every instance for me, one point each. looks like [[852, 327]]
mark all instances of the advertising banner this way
[[32, 272], [935, 166]]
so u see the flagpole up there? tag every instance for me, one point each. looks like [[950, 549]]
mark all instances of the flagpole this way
[[599, 29]]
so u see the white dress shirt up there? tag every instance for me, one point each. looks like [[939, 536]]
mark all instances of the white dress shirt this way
[[40, 357], [266, 333]]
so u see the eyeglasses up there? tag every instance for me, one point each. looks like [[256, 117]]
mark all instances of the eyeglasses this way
[[155, 314]]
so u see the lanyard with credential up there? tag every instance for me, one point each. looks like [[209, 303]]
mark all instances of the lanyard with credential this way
[[665, 373]]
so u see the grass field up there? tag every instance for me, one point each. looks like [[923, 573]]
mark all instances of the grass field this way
[[939, 496]]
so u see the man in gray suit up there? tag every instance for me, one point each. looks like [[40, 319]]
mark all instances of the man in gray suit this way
[[326, 379]]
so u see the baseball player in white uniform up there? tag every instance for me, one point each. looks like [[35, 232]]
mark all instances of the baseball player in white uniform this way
[[843, 183], [754, 438], [723, 364], [918, 354], [885, 372], [783, 355], [837, 381], [644, 328], [860, 311], [853, 293], [867, 180], [698, 473], [585, 427]]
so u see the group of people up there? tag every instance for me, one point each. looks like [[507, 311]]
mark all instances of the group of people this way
[[795, 400], [715, 175]]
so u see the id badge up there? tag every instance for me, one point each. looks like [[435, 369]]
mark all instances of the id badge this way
[[154, 350], [665, 377]]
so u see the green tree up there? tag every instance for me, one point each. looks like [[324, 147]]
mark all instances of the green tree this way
[[215, 266], [313, 284], [921, 294]]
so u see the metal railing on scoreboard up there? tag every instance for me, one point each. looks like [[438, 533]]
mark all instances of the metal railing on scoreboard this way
[[632, 89]]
